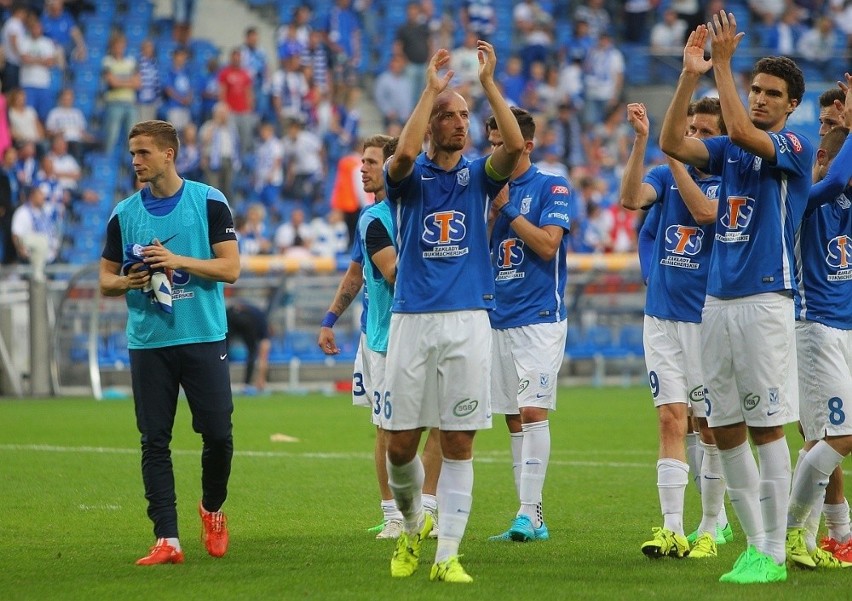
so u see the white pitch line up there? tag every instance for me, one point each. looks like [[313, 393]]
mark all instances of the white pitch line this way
[[490, 457]]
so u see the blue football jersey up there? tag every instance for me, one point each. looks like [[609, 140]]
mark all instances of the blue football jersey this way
[[530, 289], [824, 264], [441, 221], [647, 239], [358, 257], [680, 258], [760, 208], [376, 288]]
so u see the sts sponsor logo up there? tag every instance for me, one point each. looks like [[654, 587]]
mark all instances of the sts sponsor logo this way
[[839, 256], [441, 230], [510, 254], [684, 239], [737, 217]]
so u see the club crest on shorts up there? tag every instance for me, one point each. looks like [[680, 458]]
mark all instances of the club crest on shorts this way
[[465, 407], [543, 380], [774, 402]]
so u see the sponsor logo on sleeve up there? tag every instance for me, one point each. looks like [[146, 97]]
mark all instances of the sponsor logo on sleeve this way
[[797, 145], [559, 189]]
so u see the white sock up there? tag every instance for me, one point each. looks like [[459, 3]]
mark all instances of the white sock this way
[[535, 454], [712, 490], [516, 442], [742, 477], [695, 457], [406, 482], [810, 481], [390, 511], [455, 486], [174, 542], [672, 478], [430, 502], [775, 476], [837, 520], [811, 524]]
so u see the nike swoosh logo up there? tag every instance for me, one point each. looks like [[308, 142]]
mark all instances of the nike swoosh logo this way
[[733, 160], [772, 413], [673, 187], [222, 357], [762, 499], [711, 478], [540, 396], [426, 179]]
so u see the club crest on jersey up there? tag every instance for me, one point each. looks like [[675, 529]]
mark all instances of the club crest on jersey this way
[[712, 192], [525, 204], [843, 201], [463, 177], [684, 239], [441, 230], [758, 162]]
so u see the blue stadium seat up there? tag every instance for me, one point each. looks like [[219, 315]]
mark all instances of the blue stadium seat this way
[[631, 339]]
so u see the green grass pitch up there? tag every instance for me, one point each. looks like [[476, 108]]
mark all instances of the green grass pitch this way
[[72, 512]]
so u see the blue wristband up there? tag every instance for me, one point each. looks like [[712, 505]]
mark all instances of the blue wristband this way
[[511, 212], [329, 320]]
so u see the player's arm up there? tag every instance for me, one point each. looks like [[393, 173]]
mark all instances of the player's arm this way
[[381, 250], [347, 290], [412, 135], [634, 193], [836, 178], [503, 160], [110, 278], [647, 238], [725, 39], [544, 240], [224, 266], [673, 139], [702, 209]]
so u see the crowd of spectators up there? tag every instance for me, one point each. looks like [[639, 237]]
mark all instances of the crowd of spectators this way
[[279, 134]]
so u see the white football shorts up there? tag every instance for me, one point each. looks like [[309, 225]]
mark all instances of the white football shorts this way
[[673, 361], [525, 366], [368, 380], [748, 347], [825, 380], [438, 371]]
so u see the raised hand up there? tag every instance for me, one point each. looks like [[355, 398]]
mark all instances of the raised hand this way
[[434, 80], [693, 52], [487, 61], [846, 107], [724, 37], [637, 116]]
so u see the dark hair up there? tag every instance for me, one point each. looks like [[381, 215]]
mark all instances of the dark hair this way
[[389, 148], [708, 106], [828, 97], [833, 140], [162, 133], [786, 69], [525, 121]]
